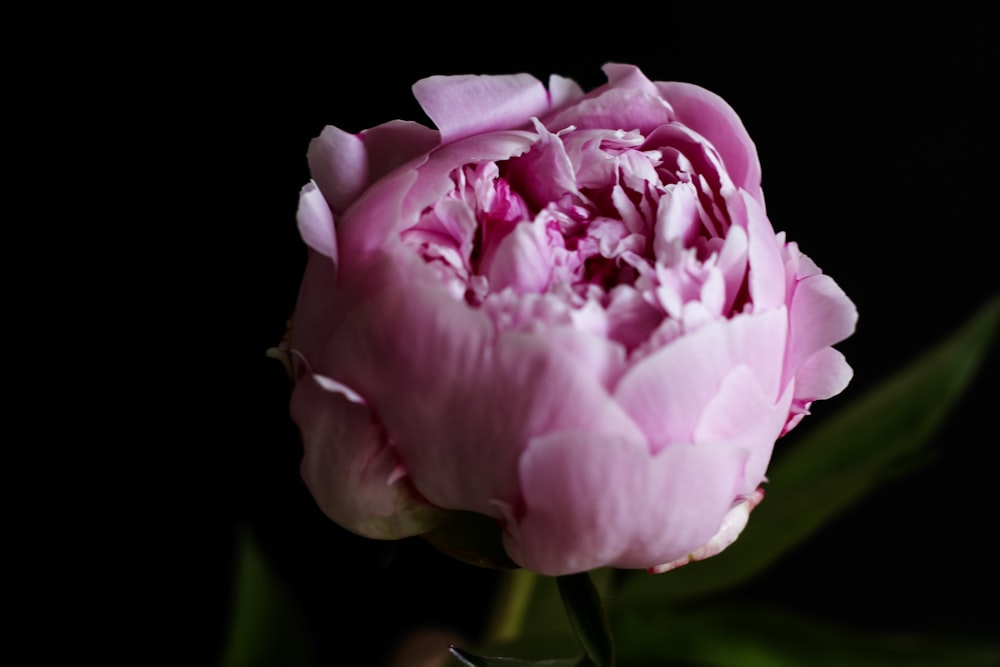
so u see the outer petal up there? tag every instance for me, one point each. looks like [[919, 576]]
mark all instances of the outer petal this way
[[744, 414], [563, 91], [338, 162], [594, 499], [709, 115], [667, 392], [734, 523], [315, 222], [395, 143], [469, 104], [820, 315], [823, 375], [350, 469], [460, 402]]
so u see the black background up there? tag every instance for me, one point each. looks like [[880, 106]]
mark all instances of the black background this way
[[876, 137]]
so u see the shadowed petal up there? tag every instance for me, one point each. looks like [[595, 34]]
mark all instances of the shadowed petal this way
[[395, 143], [710, 116], [350, 469]]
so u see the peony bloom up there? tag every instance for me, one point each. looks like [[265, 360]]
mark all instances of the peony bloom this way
[[568, 312]]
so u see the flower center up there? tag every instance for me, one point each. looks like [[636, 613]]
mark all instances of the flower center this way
[[609, 231]]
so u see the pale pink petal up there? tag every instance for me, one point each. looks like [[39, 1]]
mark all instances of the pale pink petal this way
[[460, 401], [563, 91], [544, 174], [742, 413], [666, 392], [710, 116], [580, 493], [621, 75], [593, 499], [690, 490], [350, 469], [315, 221], [521, 261], [732, 263], [469, 104], [735, 521], [823, 375], [396, 202], [767, 268], [820, 315], [338, 162], [614, 109], [604, 359]]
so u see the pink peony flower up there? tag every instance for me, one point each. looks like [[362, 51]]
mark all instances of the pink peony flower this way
[[568, 312]]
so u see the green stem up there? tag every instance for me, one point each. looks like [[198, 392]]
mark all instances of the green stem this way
[[588, 617], [513, 596]]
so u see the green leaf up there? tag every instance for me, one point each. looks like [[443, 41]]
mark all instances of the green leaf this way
[[471, 660], [588, 617], [266, 627], [472, 538], [754, 636], [843, 458]]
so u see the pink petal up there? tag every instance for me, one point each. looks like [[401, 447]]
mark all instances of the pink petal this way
[[709, 115], [378, 217], [581, 491], [563, 91], [614, 109], [621, 75], [823, 375], [469, 104], [666, 392], [545, 173], [459, 401], [820, 315], [767, 268], [395, 143], [629, 101], [732, 525], [690, 491], [350, 469], [338, 162], [594, 499], [521, 261], [397, 200], [742, 413], [315, 221]]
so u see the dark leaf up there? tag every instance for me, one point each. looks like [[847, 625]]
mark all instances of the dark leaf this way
[[588, 617]]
